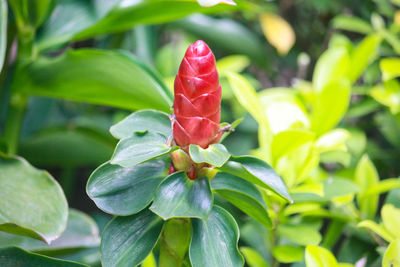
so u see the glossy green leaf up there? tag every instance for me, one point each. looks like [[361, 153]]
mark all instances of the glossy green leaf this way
[[288, 254], [243, 195], [309, 235], [391, 219], [141, 121], [214, 241], [13, 256], [33, 193], [366, 176], [3, 31], [390, 68], [258, 172], [126, 241], [215, 154], [253, 259], [378, 229], [111, 78], [125, 191], [178, 196], [391, 258], [81, 232], [286, 141], [319, 257], [139, 148], [350, 23], [32, 12]]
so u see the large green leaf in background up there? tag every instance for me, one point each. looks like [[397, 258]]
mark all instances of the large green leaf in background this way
[[3, 31], [18, 257], [178, 196], [125, 191], [31, 202], [101, 77], [214, 241], [81, 232], [126, 241]]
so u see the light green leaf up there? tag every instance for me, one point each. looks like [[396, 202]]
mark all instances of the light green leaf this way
[[33, 193], [309, 235], [350, 23], [286, 141], [13, 256], [3, 31], [243, 195], [391, 219], [288, 254], [258, 172], [390, 68], [141, 121], [319, 257], [391, 258], [233, 63], [388, 95], [214, 241], [253, 259], [215, 154], [178, 196], [150, 261], [125, 191], [378, 229], [336, 187], [111, 78], [139, 148], [382, 187], [366, 176], [333, 140], [128, 240]]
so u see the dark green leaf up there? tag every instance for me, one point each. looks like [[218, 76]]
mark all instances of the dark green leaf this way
[[139, 148], [242, 194], [258, 172], [3, 31], [111, 78], [214, 241], [125, 191], [127, 241], [178, 196], [31, 201], [141, 121], [215, 154]]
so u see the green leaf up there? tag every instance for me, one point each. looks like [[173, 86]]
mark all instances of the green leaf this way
[[366, 176], [333, 140], [243, 195], [288, 254], [319, 257], [13, 256], [233, 63], [215, 154], [378, 229], [125, 191], [388, 95], [382, 187], [258, 172], [139, 148], [128, 240], [350, 23], [214, 241], [253, 259], [208, 3], [32, 12], [110, 78], [337, 187], [301, 234], [178, 196], [33, 193], [390, 68], [3, 31], [141, 121], [286, 141], [391, 258], [391, 219], [150, 261], [81, 232]]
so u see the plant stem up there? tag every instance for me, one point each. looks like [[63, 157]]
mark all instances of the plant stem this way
[[175, 240]]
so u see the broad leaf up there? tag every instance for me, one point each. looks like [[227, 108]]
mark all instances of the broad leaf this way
[[243, 195], [388, 94], [215, 154], [214, 241], [125, 191], [337, 187], [3, 31], [382, 187], [286, 141], [33, 193], [13, 256], [390, 68], [258, 172], [319, 257], [309, 234], [126, 241], [141, 121], [288, 254], [178, 196], [139, 148], [278, 32], [391, 219], [111, 78], [391, 258], [81, 232]]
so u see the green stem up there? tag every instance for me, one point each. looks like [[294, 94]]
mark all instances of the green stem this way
[[175, 240]]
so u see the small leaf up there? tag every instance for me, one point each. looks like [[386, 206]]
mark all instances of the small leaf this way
[[390, 68], [215, 154], [178, 196], [150, 261], [258, 172], [208, 3], [391, 219], [333, 140], [391, 258], [215, 241], [337, 187], [139, 148], [286, 141], [233, 63], [382, 187], [309, 235], [243, 195], [288, 254], [141, 121], [319, 257], [125, 191], [278, 32], [253, 259], [350, 23], [378, 229], [128, 240], [388, 95], [3, 32]]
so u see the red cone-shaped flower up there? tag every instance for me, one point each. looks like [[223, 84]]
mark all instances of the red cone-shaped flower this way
[[197, 98]]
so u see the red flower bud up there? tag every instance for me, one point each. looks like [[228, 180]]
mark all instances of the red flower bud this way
[[197, 103]]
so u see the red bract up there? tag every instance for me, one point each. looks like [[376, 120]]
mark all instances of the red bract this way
[[197, 98]]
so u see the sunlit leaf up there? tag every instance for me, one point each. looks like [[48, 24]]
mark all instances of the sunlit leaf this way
[[391, 258], [208, 3], [333, 140], [388, 95], [278, 32], [288, 254], [319, 257], [253, 259], [391, 219], [350, 23]]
